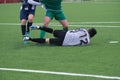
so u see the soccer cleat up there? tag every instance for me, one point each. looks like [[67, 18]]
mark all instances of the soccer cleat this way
[[34, 27], [26, 38]]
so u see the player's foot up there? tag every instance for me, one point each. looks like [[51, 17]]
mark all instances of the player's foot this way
[[28, 34], [34, 27], [26, 38]]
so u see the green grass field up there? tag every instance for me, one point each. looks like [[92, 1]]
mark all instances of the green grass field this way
[[99, 58]]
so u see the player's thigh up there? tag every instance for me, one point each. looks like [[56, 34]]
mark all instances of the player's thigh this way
[[48, 17], [59, 33], [46, 21], [30, 17], [62, 19], [56, 41], [49, 14], [60, 15]]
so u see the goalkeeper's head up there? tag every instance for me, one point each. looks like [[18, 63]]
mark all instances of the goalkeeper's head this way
[[92, 32]]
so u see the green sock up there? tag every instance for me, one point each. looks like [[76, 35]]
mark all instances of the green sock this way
[[66, 29], [42, 34]]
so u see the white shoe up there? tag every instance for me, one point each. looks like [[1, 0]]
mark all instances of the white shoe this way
[[26, 38]]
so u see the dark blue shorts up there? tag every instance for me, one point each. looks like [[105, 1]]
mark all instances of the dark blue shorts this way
[[26, 10]]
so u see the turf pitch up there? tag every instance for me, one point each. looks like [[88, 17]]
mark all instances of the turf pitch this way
[[100, 57]]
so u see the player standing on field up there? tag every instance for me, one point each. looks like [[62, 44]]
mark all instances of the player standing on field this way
[[27, 13], [53, 10]]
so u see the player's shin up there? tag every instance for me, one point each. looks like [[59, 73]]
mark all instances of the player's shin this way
[[39, 40], [28, 26], [23, 29], [42, 34]]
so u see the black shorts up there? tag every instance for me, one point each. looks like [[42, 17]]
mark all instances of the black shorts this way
[[59, 37], [26, 10]]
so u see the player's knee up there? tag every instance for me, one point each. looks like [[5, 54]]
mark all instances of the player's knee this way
[[23, 22], [46, 24], [30, 18]]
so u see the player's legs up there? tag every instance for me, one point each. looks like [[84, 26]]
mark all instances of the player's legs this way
[[45, 24], [23, 26], [46, 29], [53, 41], [31, 13], [62, 19], [64, 24], [23, 29], [38, 40], [56, 41], [30, 21], [59, 33], [56, 33], [47, 20], [23, 18]]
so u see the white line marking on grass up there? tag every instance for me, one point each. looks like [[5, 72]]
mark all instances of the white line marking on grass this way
[[94, 22], [69, 23], [113, 42], [92, 26], [60, 73], [75, 24], [11, 24]]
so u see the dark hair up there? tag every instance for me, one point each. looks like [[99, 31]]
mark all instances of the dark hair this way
[[92, 32]]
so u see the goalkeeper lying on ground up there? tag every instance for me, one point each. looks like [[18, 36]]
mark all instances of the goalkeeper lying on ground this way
[[74, 37]]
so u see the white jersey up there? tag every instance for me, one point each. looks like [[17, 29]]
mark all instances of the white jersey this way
[[76, 37]]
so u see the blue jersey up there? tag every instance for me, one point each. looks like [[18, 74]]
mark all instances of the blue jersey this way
[[26, 9]]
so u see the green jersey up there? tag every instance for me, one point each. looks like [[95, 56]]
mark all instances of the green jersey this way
[[52, 5]]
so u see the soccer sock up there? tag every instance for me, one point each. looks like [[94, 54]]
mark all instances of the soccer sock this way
[[39, 40], [50, 30], [23, 29], [42, 34], [66, 29], [28, 26]]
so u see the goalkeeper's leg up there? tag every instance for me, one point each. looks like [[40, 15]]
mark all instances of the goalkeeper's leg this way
[[54, 41], [46, 29], [38, 40]]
